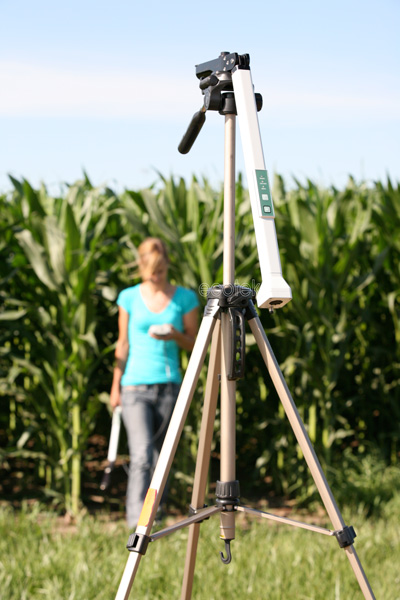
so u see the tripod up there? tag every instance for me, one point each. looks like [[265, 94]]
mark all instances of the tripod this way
[[227, 87]]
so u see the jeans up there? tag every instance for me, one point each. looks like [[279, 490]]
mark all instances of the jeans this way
[[146, 412]]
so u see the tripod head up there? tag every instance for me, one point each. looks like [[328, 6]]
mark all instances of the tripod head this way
[[217, 87], [224, 63]]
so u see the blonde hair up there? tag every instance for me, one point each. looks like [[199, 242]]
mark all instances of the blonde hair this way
[[152, 255]]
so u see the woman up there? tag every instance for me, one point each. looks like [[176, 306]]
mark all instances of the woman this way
[[147, 376]]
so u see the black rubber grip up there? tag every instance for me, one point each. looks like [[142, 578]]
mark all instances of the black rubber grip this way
[[192, 132]]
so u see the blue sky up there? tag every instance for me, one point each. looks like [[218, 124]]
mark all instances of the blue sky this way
[[110, 87]]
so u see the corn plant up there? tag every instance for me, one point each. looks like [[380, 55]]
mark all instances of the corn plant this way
[[66, 258], [336, 258], [53, 344], [190, 220]]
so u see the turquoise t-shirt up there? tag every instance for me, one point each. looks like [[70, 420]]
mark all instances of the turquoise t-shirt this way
[[149, 360]]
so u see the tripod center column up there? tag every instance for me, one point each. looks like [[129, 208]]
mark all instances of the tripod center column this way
[[229, 200], [228, 387]]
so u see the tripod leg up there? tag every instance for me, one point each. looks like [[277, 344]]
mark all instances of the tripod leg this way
[[307, 449], [160, 476], [203, 457]]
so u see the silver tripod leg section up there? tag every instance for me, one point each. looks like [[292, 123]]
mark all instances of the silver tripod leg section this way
[[203, 457], [160, 476], [307, 449]]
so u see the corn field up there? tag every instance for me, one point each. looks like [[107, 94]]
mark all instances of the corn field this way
[[65, 257]]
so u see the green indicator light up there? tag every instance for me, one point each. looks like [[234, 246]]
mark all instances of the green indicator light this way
[[264, 194]]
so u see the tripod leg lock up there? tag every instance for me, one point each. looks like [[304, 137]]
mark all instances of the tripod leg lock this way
[[138, 542], [228, 493], [346, 536]]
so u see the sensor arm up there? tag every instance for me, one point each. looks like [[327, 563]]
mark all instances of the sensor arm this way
[[274, 291]]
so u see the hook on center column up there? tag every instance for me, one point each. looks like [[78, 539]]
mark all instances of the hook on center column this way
[[228, 558]]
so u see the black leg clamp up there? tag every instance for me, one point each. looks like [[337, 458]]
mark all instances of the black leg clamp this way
[[346, 536], [138, 542], [194, 511], [238, 336]]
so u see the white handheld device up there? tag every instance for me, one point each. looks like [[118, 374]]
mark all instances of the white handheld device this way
[[160, 330]]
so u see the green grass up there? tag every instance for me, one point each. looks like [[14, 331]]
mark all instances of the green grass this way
[[39, 560]]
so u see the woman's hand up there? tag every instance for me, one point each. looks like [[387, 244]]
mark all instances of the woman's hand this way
[[186, 338], [115, 396]]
